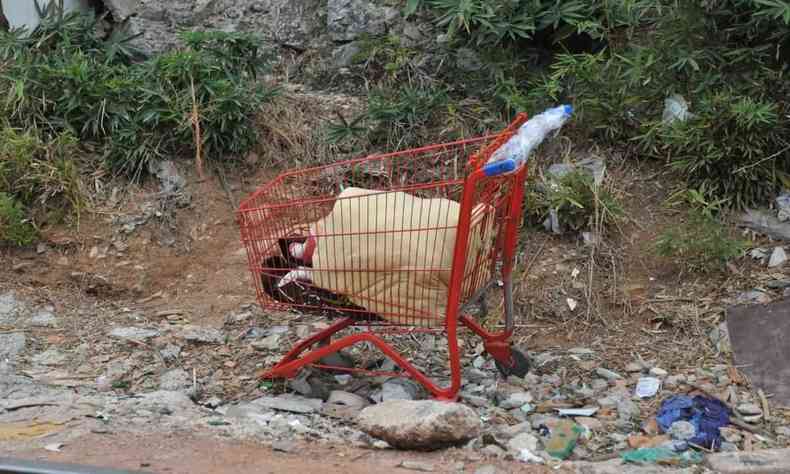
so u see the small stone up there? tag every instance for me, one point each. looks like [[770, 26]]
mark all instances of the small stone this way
[[175, 380], [511, 431], [9, 307], [608, 374], [487, 468], [516, 400], [749, 409], [658, 372], [522, 441], [632, 367], [727, 447], [493, 451], [778, 257], [133, 333], [339, 397], [731, 435], [285, 446], [50, 357], [202, 334], [593, 424], [682, 430], [582, 351], [752, 418], [43, 318], [476, 375], [763, 461], [626, 409], [416, 466], [170, 352], [268, 343], [475, 400], [783, 431], [11, 345], [425, 424], [292, 404], [399, 389], [599, 384], [753, 297], [674, 380]]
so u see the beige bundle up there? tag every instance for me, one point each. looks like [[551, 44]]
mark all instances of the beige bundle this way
[[392, 253]]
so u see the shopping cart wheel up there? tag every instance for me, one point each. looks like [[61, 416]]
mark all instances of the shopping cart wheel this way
[[519, 364]]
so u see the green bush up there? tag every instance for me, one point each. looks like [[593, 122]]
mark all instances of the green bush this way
[[39, 182], [15, 228], [63, 77]]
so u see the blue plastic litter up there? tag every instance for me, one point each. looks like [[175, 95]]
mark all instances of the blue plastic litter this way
[[706, 414]]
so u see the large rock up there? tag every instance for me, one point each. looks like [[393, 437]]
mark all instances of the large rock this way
[[295, 23], [347, 20], [425, 424], [768, 461]]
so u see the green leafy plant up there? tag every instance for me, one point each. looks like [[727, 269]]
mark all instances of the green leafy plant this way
[[700, 241], [200, 99], [575, 198], [15, 227]]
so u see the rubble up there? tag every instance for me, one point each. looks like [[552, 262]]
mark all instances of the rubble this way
[[134, 333]]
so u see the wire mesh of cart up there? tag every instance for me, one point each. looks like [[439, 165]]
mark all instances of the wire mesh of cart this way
[[462, 249]]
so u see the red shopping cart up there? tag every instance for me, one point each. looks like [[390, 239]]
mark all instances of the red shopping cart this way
[[476, 210]]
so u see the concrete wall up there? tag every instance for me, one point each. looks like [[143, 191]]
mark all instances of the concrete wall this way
[[24, 13]]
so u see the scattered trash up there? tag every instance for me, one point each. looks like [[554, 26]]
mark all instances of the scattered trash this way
[[647, 387], [676, 108], [661, 456], [54, 447], [571, 303], [525, 455], [705, 414], [563, 439], [682, 430], [577, 411]]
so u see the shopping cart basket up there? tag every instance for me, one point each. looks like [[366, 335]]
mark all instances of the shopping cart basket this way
[[490, 197]]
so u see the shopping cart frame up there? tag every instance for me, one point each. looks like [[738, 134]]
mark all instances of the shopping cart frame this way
[[496, 344]]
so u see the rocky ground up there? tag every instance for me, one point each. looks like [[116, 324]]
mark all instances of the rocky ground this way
[[138, 330], [147, 374]]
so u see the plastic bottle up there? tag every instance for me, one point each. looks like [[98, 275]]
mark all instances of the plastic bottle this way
[[531, 134]]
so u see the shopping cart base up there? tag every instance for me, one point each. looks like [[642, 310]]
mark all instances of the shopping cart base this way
[[508, 360]]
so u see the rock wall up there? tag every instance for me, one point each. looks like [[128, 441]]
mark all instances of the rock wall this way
[[297, 24]]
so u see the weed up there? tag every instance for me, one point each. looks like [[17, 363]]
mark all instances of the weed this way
[[701, 241], [15, 228], [576, 200]]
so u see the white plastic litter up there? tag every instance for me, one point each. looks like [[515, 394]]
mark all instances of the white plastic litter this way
[[577, 411], [525, 455], [531, 134], [647, 387], [676, 108]]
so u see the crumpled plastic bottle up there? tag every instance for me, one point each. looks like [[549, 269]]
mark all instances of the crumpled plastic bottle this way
[[531, 134]]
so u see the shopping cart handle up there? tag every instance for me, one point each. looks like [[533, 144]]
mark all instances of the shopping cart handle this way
[[499, 167]]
